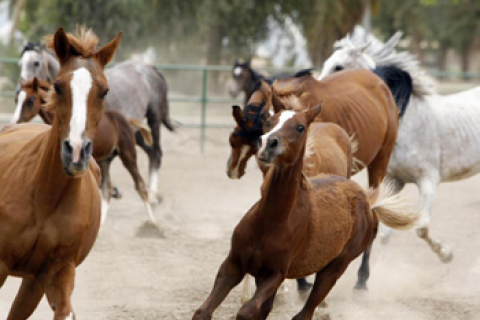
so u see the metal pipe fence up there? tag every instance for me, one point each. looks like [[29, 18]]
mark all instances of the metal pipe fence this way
[[203, 99]]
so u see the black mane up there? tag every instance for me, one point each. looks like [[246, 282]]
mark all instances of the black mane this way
[[400, 84], [32, 46]]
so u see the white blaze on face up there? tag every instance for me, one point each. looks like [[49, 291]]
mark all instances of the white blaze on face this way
[[27, 68], [18, 110], [236, 170], [284, 117], [237, 71], [80, 85]]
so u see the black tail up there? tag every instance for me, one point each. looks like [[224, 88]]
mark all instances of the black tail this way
[[165, 105], [400, 84]]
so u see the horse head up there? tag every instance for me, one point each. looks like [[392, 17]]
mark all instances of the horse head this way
[[30, 99], [241, 77], [78, 95]]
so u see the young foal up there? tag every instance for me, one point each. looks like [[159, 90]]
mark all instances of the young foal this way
[[299, 226], [50, 205], [114, 136], [329, 151]]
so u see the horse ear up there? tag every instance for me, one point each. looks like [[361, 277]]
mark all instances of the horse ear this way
[[35, 84], [62, 45], [237, 114], [106, 53], [276, 102], [248, 63], [312, 113]]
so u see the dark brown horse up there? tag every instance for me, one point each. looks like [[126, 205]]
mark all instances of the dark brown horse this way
[[299, 226], [50, 204], [115, 136]]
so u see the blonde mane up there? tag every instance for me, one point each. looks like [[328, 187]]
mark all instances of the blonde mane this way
[[84, 41]]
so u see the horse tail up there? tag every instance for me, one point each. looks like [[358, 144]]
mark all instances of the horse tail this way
[[164, 106], [400, 84], [143, 135], [391, 209]]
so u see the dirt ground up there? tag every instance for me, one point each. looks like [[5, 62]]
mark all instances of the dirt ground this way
[[127, 276]]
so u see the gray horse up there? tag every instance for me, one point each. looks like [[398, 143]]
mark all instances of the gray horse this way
[[137, 91]]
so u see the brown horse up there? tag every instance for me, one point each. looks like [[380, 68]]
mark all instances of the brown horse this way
[[329, 150], [356, 100], [50, 205], [299, 226], [114, 136]]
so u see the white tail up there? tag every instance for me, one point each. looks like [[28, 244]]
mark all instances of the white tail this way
[[391, 209]]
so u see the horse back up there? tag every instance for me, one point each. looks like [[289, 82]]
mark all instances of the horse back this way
[[361, 103]]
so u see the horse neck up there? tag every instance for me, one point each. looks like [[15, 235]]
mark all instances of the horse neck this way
[[46, 116], [280, 191], [50, 179]]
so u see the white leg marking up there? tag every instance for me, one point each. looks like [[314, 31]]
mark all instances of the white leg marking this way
[[243, 153], [18, 110], [80, 85], [153, 186], [104, 211], [150, 212], [284, 117], [70, 316]]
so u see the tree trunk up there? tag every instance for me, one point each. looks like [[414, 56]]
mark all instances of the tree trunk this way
[[214, 50], [19, 6], [442, 60], [465, 61]]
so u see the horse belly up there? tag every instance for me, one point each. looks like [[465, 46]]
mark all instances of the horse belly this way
[[325, 242]]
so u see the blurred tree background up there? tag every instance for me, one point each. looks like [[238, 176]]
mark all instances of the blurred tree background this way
[[217, 32]]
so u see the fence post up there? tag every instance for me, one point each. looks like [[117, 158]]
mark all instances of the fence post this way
[[204, 109]]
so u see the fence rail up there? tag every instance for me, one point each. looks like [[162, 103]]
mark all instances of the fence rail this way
[[203, 99]]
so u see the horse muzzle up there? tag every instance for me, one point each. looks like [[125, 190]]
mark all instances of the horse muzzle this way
[[75, 156]]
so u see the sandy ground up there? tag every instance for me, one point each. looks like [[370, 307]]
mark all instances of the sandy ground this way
[[131, 277]]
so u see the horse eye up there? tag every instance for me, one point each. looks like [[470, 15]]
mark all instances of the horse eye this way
[[338, 68], [36, 63], [301, 128], [30, 102]]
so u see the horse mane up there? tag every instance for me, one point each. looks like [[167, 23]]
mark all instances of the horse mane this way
[[304, 72], [84, 41], [289, 89], [384, 54]]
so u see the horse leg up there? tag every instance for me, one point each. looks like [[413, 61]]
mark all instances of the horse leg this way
[[155, 157], [427, 188], [59, 288], [266, 289], [229, 275], [105, 187], [266, 308], [3, 273], [303, 285], [398, 185], [26, 301], [324, 282], [364, 270], [128, 155]]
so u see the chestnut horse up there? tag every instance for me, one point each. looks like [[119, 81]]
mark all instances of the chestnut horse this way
[[115, 136], [50, 205], [329, 150], [357, 100], [300, 226]]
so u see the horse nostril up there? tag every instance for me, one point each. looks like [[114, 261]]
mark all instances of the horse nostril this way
[[88, 149], [273, 143], [67, 147]]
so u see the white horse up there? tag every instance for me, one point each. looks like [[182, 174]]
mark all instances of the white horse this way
[[438, 138]]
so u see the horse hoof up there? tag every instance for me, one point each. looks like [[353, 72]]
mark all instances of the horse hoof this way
[[150, 230], [445, 254], [116, 193]]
